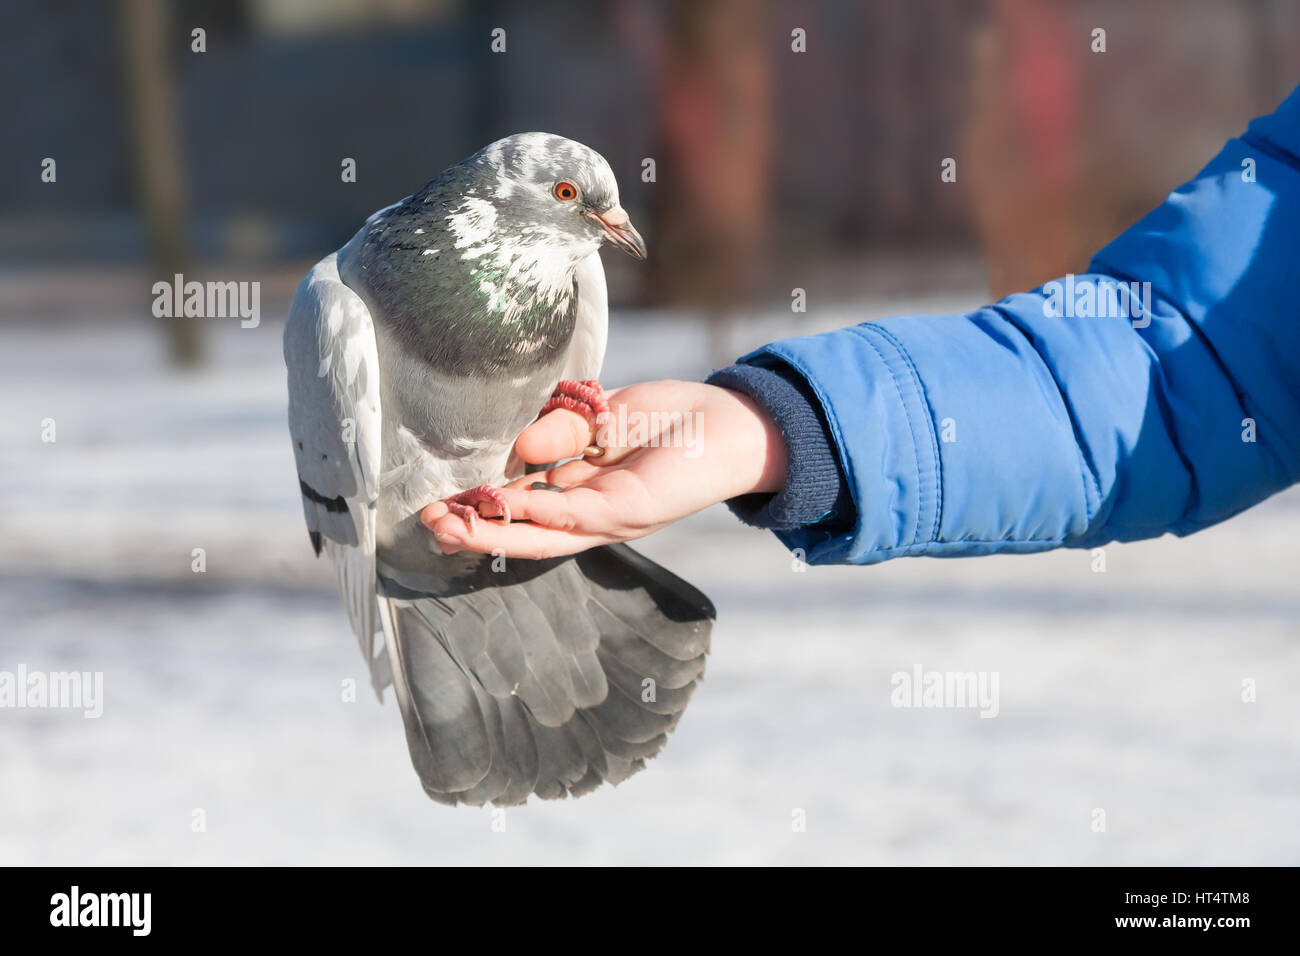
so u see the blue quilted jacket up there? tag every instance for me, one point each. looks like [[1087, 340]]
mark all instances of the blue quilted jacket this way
[[1159, 392]]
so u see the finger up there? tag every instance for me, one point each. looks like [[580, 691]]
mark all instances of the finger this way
[[438, 509], [556, 435], [570, 473], [578, 509], [515, 540], [433, 512], [581, 469]]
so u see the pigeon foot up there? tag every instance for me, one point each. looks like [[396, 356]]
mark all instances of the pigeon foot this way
[[586, 398], [465, 505]]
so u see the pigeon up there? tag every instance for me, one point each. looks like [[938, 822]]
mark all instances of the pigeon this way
[[416, 354]]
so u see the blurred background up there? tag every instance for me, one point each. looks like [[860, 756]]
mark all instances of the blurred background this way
[[794, 146]]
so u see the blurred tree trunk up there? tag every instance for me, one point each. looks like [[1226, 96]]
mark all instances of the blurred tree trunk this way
[[156, 156], [717, 132], [1022, 140]]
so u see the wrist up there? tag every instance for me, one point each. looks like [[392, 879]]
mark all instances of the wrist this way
[[759, 462], [805, 484]]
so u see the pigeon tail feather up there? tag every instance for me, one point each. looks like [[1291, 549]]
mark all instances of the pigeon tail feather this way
[[547, 678]]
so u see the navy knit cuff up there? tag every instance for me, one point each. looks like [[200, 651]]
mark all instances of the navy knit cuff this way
[[815, 491]]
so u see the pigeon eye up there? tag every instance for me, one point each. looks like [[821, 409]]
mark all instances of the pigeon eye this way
[[565, 191]]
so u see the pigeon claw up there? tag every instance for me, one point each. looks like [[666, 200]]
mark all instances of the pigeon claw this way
[[586, 398], [465, 505]]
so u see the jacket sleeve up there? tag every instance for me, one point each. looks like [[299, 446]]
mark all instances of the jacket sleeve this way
[[1053, 418]]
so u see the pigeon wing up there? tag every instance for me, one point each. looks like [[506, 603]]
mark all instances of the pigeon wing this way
[[334, 421]]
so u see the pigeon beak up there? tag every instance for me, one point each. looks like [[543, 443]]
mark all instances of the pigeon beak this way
[[619, 230]]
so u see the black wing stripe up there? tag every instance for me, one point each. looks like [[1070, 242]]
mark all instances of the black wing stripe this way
[[336, 505]]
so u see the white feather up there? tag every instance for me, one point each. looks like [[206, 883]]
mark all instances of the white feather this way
[[335, 419]]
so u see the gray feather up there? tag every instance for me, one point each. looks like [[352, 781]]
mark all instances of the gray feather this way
[[334, 424], [580, 736]]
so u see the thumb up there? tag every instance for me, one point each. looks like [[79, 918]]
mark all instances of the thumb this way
[[556, 435]]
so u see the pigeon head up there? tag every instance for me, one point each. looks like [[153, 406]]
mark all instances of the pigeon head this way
[[546, 190], [477, 269]]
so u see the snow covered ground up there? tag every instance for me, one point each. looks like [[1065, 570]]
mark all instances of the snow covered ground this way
[[1119, 691]]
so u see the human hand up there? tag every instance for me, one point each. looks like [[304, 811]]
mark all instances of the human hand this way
[[670, 449]]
